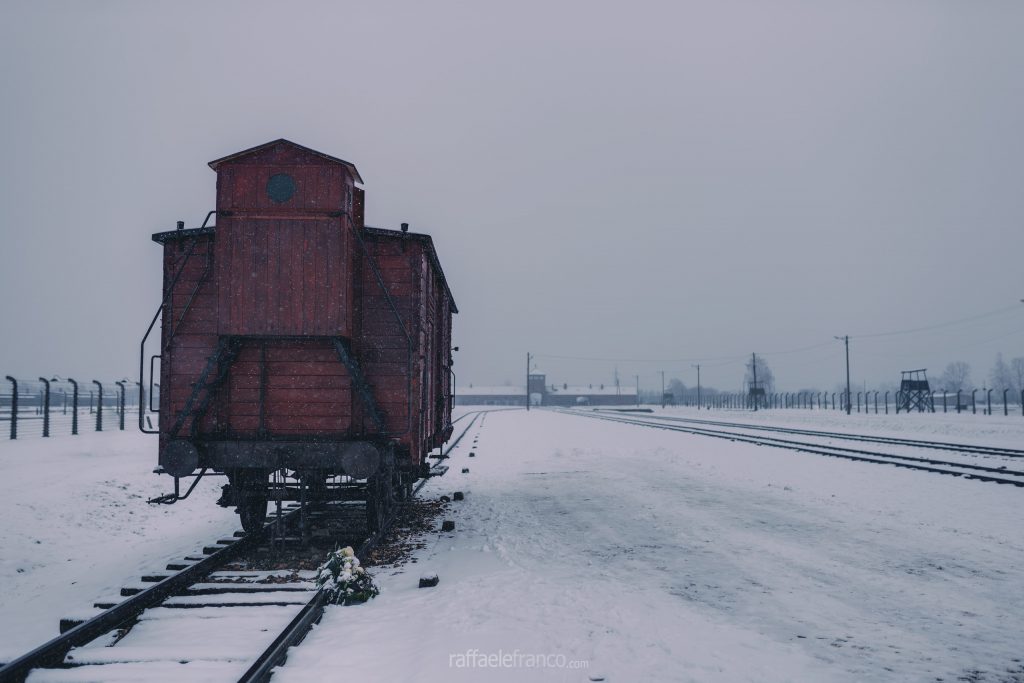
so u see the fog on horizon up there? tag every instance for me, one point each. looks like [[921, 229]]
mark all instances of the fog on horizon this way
[[634, 188]]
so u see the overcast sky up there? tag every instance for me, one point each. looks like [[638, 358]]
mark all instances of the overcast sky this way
[[654, 184]]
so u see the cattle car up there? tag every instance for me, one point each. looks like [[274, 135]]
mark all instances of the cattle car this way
[[303, 354]]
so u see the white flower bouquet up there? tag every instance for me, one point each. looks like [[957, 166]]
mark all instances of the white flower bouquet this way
[[344, 579]]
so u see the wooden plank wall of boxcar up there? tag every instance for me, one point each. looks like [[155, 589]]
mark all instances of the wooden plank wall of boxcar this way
[[189, 331], [320, 185], [427, 347], [284, 276], [307, 391], [440, 359], [442, 396], [384, 333], [279, 277]]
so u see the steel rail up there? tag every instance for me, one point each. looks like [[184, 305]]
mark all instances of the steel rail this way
[[52, 653], [453, 444], [300, 626], [785, 442], [832, 451], [311, 613], [917, 443]]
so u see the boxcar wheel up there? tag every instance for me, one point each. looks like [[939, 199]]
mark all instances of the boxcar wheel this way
[[376, 504], [380, 498], [252, 508], [404, 487], [253, 514]]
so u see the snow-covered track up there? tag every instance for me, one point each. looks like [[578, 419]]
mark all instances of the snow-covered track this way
[[465, 430], [998, 475], [123, 614], [297, 629], [173, 613], [198, 585], [870, 438]]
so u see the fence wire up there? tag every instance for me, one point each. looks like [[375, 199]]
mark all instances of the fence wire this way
[[49, 407]]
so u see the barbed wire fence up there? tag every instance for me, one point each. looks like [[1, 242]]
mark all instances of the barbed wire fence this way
[[984, 401], [57, 406]]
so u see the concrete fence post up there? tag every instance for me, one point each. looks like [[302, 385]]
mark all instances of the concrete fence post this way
[[99, 407], [14, 408], [120, 383], [46, 407], [74, 406]]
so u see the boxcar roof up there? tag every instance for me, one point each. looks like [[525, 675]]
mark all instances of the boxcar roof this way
[[431, 252], [259, 148]]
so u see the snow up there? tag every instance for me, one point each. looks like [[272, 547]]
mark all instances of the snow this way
[[583, 549], [815, 435], [77, 527], [967, 428], [588, 390], [490, 391], [643, 554]]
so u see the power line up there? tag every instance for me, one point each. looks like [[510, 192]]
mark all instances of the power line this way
[[721, 361], [988, 341], [636, 360], [1015, 307], [800, 350]]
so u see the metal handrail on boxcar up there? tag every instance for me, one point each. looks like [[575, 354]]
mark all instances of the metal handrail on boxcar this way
[[156, 316]]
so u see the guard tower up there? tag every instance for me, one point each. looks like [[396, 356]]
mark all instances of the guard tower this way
[[914, 393], [756, 397], [536, 388]]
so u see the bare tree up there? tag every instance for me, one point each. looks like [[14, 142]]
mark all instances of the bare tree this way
[[677, 389], [1017, 375], [999, 376], [957, 376]]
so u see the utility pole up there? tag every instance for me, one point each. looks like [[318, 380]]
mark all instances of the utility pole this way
[[846, 340], [698, 384], [527, 381], [662, 388], [753, 394]]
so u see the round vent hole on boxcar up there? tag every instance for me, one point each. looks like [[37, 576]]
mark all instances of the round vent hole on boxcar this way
[[280, 187]]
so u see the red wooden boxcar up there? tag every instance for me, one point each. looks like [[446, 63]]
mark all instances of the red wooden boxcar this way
[[296, 339]]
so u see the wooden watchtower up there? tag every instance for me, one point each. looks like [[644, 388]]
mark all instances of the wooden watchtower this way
[[756, 396], [915, 392]]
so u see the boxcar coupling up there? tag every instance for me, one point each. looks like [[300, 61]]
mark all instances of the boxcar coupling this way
[[296, 339]]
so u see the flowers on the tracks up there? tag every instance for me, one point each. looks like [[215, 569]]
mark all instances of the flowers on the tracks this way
[[346, 582]]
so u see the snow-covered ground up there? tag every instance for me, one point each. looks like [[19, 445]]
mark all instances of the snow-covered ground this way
[[932, 450], [76, 527], [587, 549], [985, 430], [637, 554]]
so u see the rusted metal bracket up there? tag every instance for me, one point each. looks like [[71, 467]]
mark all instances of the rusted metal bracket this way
[[222, 358], [171, 498], [359, 380]]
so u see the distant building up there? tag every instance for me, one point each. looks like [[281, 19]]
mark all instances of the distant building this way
[[544, 394], [490, 396]]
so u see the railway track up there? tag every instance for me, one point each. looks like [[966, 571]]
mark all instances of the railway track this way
[[174, 610], [998, 475], [896, 441]]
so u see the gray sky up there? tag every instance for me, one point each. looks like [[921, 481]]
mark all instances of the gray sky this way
[[673, 180]]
